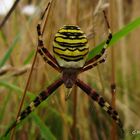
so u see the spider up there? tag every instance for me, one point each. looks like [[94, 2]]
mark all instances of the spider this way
[[70, 48]]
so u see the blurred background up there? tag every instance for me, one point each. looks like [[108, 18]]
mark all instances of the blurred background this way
[[78, 118]]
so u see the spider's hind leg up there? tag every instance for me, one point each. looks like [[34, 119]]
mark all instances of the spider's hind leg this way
[[100, 100]]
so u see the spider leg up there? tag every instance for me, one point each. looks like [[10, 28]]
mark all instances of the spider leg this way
[[40, 98], [43, 51], [93, 65], [46, 59], [105, 45], [99, 99]]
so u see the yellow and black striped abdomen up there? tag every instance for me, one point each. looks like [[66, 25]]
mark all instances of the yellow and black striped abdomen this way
[[70, 47]]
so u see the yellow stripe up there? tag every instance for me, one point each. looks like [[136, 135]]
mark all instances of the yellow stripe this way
[[105, 108], [71, 53], [18, 119], [69, 58], [58, 34], [32, 106], [59, 39], [70, 31], [107, 104]]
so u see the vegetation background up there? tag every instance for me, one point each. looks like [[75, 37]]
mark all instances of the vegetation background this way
[[78, 118]]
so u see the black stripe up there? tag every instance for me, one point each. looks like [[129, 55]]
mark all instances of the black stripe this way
[[37, 101], [114, 117], [109, 112], [94, 96], [110, 36], [72, 45], [43, 95], [115, 112], [64, 49], [68, 60], [71, 37], [70, 34], [25, 112], [101, 102], [71, 27]]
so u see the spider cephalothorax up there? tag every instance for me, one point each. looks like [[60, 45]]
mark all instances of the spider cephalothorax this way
[[70, 49], [69, 76]]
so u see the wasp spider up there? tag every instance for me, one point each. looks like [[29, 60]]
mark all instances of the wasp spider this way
[[70, 48]]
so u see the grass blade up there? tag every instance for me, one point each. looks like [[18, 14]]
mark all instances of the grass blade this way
[[45, 131], [15, 88], [9, 51]]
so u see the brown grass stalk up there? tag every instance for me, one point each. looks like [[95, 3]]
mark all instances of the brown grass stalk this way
[[9, 13]]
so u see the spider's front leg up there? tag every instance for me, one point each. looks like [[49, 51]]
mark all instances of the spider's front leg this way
[[40, 98], [104, 104], [105, 45], [92, 65], [43, 51]]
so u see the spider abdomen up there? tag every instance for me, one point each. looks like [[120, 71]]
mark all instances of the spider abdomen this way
[[70, 47]]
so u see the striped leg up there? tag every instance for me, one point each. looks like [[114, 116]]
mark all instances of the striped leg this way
[[46, 58], [96, 97], [41, 49], [106, 43], [40, 98], [93, 65]]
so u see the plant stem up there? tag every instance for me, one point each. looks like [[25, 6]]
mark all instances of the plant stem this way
[[113, 84], [74, 113]]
